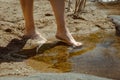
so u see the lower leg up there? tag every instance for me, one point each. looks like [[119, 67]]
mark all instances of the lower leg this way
[[30, 31], [27, 7], [62, 31]]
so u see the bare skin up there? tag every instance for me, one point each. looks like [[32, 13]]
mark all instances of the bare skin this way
[[30, 30], [62, 31]]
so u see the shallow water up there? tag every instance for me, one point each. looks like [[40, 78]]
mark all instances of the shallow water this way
[[100, 56], [102, 60]]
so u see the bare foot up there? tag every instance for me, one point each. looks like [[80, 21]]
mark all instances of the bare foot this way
[[67, 38], [33, 41]]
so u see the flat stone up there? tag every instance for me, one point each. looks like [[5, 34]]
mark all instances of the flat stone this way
[[56, 76]]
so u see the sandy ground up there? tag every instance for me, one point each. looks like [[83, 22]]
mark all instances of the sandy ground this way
[[12, 29]]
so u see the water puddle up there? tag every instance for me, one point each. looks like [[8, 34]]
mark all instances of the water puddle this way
[[102, 60], [100, 56]]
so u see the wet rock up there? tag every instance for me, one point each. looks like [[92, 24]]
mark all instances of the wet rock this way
[[116, 21], [100, 60], [56, 76]]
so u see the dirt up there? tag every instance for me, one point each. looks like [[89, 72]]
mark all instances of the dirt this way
[[16, 61]]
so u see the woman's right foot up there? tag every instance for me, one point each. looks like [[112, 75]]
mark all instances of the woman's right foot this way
[[34, 41]]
